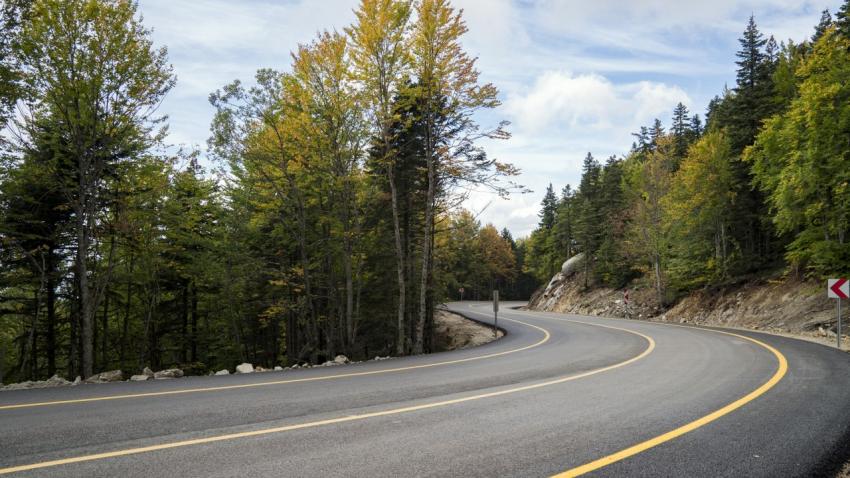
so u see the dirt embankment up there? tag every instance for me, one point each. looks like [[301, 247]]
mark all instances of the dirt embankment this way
[[456, 332], [777, 305]]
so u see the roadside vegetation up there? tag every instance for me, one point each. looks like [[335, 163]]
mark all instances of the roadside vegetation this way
[[760, 188], [322, 221]]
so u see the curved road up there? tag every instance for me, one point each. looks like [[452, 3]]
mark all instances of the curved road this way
[[559, 394]]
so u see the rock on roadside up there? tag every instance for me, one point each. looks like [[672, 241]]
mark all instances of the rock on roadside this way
[[168, 373], [140, 378], [244, 368], [54, 381], [223, 372], [105, 377]]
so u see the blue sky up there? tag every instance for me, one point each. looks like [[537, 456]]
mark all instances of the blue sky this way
[[574, 76]]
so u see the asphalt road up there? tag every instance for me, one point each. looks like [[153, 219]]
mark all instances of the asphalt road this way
[[559, 393]]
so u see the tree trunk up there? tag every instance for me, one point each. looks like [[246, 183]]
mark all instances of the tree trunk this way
[[658, 282], [184, 318], [51, 324], [402, 288], [126, 325], [426, 240], [104, 359], [85, 311], [194, 333]]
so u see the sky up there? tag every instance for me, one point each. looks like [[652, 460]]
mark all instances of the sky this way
[[574, 76]]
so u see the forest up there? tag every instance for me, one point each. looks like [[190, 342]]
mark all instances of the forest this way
[[324, 217], [760, 187]]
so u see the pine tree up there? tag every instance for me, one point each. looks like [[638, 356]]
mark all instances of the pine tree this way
[[589, 213], [822, 26], [549, 205], [680, 130], [695, 129], [750, 56], [655, 133], [644, 142], [842, 19]]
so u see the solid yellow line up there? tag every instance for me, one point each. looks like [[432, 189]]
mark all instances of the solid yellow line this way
[[396, 411], [545, 338], [672, 434]]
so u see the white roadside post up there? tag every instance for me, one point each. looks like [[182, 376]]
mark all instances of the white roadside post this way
[[496, 313], [838, 289]]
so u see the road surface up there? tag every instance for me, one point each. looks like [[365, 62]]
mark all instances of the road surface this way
[[559, 394]]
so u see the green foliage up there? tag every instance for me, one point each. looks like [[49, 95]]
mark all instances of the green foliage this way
[[800, 160], [699, 208]]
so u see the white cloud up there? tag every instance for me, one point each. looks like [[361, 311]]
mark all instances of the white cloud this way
[[589, 103], [575, 76]]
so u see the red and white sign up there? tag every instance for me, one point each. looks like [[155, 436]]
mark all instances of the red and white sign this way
[[838, 288]]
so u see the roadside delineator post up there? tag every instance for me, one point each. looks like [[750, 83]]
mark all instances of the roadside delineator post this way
[[496, 313], [838, 289]]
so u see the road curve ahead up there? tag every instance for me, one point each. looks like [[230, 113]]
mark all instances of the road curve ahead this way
[[559, 394]]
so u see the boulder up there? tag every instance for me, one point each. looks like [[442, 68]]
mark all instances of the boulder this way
[[56, 381], [148, 372], [168, 373], [18, 386], [77, 380], [278, 368], [223, 372], [341, 359], [259, 368], [244, 368], [104, 377], [140, 378], [572, 265]]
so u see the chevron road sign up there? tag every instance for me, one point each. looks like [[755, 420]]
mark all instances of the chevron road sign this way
[[838, 289]]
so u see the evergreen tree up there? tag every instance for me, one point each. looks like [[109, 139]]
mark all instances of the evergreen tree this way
[[842, 19], [612, 266], [643, 143], [823, 25], [589, 213], [750, 57], [680, 129], [656, 133], [799, 160], [549, 205], [695, 129]]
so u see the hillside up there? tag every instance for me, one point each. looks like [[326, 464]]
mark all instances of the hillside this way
[[774, 304]]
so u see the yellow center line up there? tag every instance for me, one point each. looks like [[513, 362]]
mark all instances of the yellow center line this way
[[781, 370], [349, 418], [545, 339]]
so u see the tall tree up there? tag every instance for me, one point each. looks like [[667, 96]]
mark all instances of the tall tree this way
[[548, 207], [680, 130], [99, 80], [799, 161], [588, 226], [381, 62], [448, 84], [842, 19], [823, 25], [699, 212], [649, 184]]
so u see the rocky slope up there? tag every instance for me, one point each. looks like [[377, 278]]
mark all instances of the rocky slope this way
[[777, 305]]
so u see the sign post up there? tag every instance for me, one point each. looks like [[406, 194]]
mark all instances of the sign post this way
[[838, 289], [496, 313], [461, 293]]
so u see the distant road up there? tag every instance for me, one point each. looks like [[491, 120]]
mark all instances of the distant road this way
[[558, 394]]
